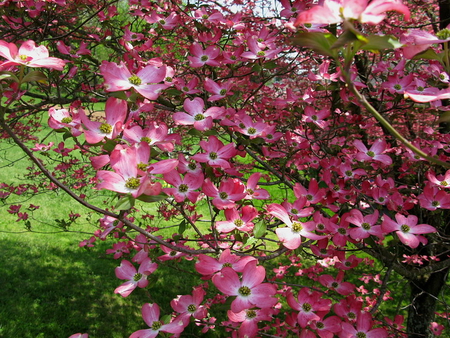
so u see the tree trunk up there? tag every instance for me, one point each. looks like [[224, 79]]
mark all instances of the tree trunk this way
[[424, 294]]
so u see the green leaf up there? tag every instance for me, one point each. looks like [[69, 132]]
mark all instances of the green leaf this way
[[256, 68], [259, 230], [8, 75], [152, 198], [270, 65], [109, 145], [381, 42], [343, 39], [166, 319], [173, 92], [318, 42], [194, 132], [182, 227], [250, 241], [35, 75], [119, 95], [429, 54], [444, 117], [125, 203]]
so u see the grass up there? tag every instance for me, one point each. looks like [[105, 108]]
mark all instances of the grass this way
[[51, 288]]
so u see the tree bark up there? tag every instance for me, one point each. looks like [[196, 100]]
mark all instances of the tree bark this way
[[424, 294]]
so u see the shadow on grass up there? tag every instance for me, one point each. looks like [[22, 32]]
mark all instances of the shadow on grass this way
[[50, 292], [53, 292]]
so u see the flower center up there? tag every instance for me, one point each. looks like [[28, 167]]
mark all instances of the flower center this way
[[146, 139], [106, 128], [334, 285], [296, 227], [192, 166], [370, 153], [397, 87], [223, 92], [156, 326], [223, 195], [133, 183], [245, 291], [320, 325], [435, 204], [261, 53], [251, 314], [199, 117], [342, 231], [135, 80], [239, 222], [183, 188], [306, 307], [227, 265], [404, 228], [365, 226], [361, 335], [142, 166], [191, 308], [66, 120], [251, 130], [137, 276], [294, 211], [204, 58], [444, 183], [213, 155]]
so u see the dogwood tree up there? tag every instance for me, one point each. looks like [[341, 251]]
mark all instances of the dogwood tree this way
[[301, 149]]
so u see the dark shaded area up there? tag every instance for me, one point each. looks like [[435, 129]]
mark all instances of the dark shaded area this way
[[39, 299]]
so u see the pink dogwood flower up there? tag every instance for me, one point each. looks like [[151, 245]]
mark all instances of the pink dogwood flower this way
[[28, 55], [219, 91], [365, 225], [138, 278], [309, 305], [150, 314], [63, 118], [115, 114], [250, 319], [337, 284], [253, 190], [364, 324], [230, 191], [125, 178], [184, 187], [291, 236], [313, 194], [375, 153], [201, 120], [238, 219], [156, 134], [190, 305], [250, 291], [203, 57], [337, 11], [407, 229], [146, 81], [443, 181], [208, 266], [216, 154], [433, 198]]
